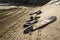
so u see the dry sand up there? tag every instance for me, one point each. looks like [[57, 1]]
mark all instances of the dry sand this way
[[11, 23]]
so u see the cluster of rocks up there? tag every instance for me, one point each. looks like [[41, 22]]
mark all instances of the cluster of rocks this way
[[29, 23], [34, 19]]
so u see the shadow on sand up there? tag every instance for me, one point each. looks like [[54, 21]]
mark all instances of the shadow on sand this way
[[30, 3], [37, 3]]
